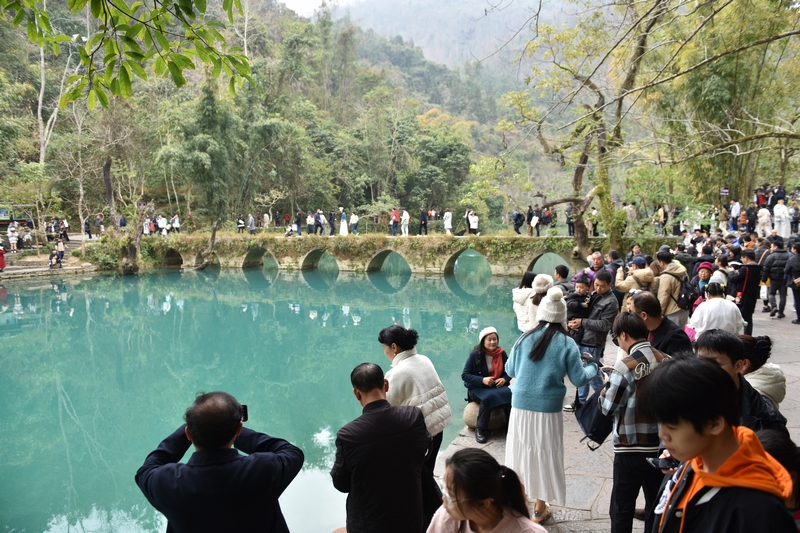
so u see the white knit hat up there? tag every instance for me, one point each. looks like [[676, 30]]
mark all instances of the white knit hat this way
[[484, 332], [552, 307], [542, 283]]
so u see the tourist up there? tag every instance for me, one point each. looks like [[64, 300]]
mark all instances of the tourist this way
[[518, 219], [404, 222], [60, 249], [635, 437], [520, 295], [596, 264], [331, 223], [240, 225], [670, 286], [87, 227], [716, 312], [64, 229], [665, 335], [578, 302], [251, 224], [774, 267], [755, 410], [792, 270], [744, 285], [448, 221], [2, 258], [636, 251], [782, 219], [176, 223], [638, 277], [568, 214], [486, 380], [764, 221], [13, 237], [541, 284], [319, 222], [481, 495], [310, 224], [602, 311], [382, 449], [423, 222], [794, 217], [394, 220], [787, 453], [354, 223], [535, 443], [218, 488], [342, 222], [472, 218], [726, 482], [529, 220], [413, 381], [767, 378]]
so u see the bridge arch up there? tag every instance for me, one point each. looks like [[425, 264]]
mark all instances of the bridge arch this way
[[450, 265], [312, 258], [172, 258], [376, 263]]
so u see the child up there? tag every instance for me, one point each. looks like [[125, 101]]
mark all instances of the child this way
[[53, 259], [726, 481], [578, 305]]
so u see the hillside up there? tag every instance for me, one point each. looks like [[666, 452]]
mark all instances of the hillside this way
[[455, 31]]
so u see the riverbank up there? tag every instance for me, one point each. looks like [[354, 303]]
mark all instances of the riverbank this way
[[589, 474]]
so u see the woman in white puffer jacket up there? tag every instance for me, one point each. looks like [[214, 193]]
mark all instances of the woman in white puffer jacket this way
[[766, 378], [520, 295]]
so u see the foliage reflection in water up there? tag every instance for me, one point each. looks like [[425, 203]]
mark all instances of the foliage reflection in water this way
[[97, 371]]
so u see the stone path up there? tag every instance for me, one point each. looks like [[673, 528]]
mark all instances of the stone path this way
[[589, 474]]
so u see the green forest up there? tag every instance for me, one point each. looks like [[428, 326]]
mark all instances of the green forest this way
[[212, 109]]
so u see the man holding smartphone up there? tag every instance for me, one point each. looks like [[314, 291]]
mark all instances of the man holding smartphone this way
[[635, 438], [219, 489]]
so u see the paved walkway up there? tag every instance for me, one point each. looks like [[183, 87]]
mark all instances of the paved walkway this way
[[589, 474]]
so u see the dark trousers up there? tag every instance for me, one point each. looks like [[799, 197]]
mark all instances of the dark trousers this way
[[747, 316], [571, 228], [485, 415], [631, 472], [777, 287], [516, 228], [423, 226], [796, 293], [431, 495]]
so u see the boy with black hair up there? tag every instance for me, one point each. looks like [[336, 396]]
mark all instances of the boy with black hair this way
[[727, 482], [754, 410], [578, 302]]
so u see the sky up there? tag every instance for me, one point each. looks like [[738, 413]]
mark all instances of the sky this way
[[307, 7]]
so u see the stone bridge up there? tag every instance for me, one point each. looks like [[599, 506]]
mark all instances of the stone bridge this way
[[507, 256]]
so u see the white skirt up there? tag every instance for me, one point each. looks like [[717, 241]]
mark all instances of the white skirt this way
[[535, 451]]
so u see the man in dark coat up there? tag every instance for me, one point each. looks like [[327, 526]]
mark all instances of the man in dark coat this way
[[665, 336], [379, 460], [774, 266], [219, 489], [423, 222], [744, 283], [706, 257]]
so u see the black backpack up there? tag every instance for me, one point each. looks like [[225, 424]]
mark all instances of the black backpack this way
[[688, 293]]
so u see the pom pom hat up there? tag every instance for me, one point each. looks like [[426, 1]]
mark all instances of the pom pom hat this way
[[552, 308]]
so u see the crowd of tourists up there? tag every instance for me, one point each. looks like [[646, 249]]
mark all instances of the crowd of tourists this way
[[690, 397]]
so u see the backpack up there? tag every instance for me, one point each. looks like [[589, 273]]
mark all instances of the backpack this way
[[687, 295], [519, 218], [643, 287]]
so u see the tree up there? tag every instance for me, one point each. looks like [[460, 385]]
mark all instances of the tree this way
[[173, 33]]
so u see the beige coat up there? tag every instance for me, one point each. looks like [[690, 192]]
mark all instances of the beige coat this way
[[625, 285], [669, 288]]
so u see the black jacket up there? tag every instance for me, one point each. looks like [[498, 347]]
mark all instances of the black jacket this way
[[756, 411], [602, 312], [686, 260], [746, 280], [774, 265], [221, 490], [729, 510], [668, 338], [379, 461], [792, 268]]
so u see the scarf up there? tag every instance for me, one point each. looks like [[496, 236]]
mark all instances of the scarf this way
[[497, 362]]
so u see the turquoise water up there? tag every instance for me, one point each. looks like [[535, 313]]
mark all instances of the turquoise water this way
[[97, 371]]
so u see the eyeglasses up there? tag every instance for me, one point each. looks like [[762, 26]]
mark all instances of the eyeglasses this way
[[449, 499], [615, 340]]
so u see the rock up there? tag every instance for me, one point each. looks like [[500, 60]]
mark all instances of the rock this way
[[497, 420]]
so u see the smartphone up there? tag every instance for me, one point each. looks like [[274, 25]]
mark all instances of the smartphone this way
[[663, 463], [244, 413]]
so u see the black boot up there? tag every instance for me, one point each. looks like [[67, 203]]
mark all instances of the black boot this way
[[480, 435]]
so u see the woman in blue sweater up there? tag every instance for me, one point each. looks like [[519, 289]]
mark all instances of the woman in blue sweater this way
[[539, 361]]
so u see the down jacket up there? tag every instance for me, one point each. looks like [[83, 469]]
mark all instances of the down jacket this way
[[521, 297], [774, 266], [669, 288], [413, 381]]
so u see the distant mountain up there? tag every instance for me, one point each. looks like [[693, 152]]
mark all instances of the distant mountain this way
[[456, 31]]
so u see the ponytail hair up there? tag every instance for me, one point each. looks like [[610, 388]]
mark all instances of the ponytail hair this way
[[476, 475]]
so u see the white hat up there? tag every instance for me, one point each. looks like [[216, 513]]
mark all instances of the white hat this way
[[542, 283], [484, 332], [552, 307]]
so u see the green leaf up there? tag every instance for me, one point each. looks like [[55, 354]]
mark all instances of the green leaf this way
[[109, 73], [182, 61], [227, 6], [134, 30], [159, 66], [102, 97], [33, 33], [55, 48], [125, 81], [114, 86], [137, 69], [62, 38], [92, 100], [97, 7], [217, 66], [177, 75], [201, 5], [232, 87], [162, 41], [201, 53]]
